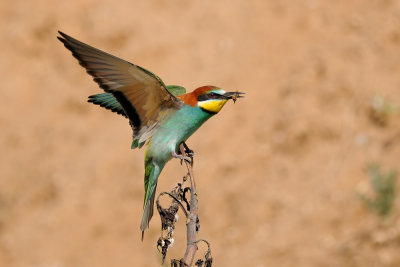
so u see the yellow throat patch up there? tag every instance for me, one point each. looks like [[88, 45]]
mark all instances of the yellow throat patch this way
[[212, 105]]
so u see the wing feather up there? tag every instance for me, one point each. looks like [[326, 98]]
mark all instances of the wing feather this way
[[141, 93]]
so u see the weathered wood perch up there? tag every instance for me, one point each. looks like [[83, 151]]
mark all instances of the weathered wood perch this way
[[193, 215], [168, 219]]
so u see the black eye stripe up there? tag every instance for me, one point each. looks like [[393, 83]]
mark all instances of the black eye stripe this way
[[202, 98], [209, 96]]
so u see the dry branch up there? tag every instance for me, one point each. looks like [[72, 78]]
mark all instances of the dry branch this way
[[193, 215], [168, 219]]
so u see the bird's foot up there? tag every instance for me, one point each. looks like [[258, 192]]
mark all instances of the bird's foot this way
[[188, 151], [182, 157]]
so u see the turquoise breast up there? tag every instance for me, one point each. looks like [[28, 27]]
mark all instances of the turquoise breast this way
[[176, 129]]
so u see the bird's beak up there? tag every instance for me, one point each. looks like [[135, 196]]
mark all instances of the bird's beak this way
[[234, 95]]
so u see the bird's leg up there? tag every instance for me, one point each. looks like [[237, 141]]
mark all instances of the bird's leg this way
[[182, 157], [188, 151]]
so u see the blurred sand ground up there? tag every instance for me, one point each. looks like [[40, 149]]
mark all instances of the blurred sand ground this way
[[277, 172]]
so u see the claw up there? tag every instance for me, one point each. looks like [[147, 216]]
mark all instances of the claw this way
[[188, 151]]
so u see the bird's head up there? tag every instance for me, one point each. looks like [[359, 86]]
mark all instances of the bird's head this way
[[210, 99]]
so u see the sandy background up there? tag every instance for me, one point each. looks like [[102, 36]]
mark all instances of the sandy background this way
[[278, 172]]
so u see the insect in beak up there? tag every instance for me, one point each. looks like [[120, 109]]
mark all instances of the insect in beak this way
[[234, 95]]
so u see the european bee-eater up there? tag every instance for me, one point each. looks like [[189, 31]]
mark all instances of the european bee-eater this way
[[161, 116]]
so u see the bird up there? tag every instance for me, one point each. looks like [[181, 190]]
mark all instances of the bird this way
[[161, 117]]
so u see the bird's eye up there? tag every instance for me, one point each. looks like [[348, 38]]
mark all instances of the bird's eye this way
[[213, 95]]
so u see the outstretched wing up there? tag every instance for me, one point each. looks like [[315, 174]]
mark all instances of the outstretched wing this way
[[142, 94]]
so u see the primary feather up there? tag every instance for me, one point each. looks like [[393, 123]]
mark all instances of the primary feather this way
[[142, 94]]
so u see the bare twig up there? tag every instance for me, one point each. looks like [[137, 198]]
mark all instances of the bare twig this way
[[207, 255], [191, 225]]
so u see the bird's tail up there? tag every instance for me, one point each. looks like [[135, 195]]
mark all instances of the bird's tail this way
[[152, 171]]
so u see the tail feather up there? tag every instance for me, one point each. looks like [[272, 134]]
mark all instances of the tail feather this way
[[147, 213], [152, 171]]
